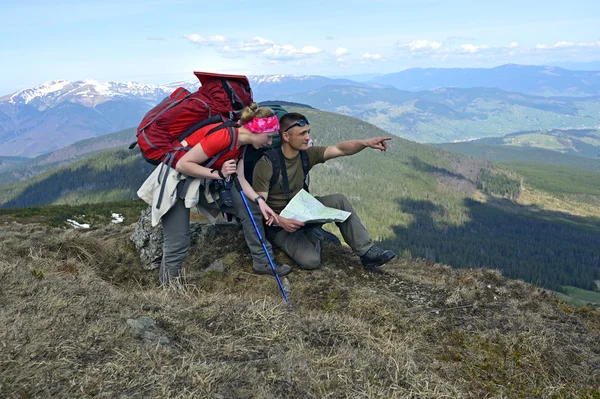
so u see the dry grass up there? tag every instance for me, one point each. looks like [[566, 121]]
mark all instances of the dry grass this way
[[419, 330]]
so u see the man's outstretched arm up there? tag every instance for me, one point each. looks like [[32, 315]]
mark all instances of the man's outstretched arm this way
[[352, 147]]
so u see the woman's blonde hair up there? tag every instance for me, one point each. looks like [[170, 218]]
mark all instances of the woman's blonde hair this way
[[254, 111]]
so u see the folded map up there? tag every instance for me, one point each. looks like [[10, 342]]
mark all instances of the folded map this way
[[305, 208]]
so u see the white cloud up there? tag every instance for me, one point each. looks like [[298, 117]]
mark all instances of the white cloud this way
[[287, 51], [339, 60], [564, 44], [471, 48], [422, 45], [205, 40], [340, 51], [513, 45], [589, 44], [273, 51], [310, 50], [257, 45], [374, 56]]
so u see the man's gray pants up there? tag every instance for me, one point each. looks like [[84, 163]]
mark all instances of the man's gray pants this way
[[176, 233], [304, 245]]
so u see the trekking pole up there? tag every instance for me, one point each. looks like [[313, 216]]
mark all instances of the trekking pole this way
[[237, 184]]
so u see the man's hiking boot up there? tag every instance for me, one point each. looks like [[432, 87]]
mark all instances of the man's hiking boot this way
[[281, 269], [376, 257]]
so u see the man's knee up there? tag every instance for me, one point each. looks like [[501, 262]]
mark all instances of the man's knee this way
[[339, 201], [309, 260]]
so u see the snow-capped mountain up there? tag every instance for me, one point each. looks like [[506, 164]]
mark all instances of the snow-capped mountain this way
[[88, 93], [272, 87], [52, 115], [57, 113]]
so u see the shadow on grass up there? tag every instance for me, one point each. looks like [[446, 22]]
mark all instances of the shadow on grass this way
[[546, 248]]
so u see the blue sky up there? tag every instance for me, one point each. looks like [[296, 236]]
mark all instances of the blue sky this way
[[164, 41]]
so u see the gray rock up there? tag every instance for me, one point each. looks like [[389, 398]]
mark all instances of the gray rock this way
[[216, 266], [148, 240], [145, 328]]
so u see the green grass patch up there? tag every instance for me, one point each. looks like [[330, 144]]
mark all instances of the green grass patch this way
[[557, 179], [93, 214], [579, 297], [536, 140]]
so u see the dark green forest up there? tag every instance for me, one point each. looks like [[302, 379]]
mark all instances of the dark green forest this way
[[109, 176], [415, 199], [541, 251]]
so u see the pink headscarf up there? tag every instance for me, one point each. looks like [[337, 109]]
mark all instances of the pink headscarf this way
[[262, 125]]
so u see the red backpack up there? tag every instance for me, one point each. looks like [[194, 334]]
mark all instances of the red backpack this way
[[219, 99]]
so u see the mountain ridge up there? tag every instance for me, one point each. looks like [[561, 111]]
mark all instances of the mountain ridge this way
[[54, 114], [530, 79]]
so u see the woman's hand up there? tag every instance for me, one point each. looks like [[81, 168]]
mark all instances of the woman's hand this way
[[289, 225], [269, 214], [229, 168]]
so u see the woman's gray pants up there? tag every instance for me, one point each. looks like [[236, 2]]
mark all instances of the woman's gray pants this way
[[176, 233]]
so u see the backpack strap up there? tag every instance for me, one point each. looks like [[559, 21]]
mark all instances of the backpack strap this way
[[208, 121], [273, 156], [305, 168], [284, 176], [236, 101], [162, 175], [281, 168], [233, 132]]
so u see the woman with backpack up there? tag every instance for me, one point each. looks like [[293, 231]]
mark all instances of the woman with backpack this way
[[256, 127]]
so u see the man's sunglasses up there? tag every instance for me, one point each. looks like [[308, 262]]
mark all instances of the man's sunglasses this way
[[301, 122]]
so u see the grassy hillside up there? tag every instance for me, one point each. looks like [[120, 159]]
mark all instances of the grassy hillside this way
[[416, 199], [82, 319], [109, 176], [536, 146], [557, 179], [10, 161], [585, 142], [507, 154], [579, 297], [449, 114], [550, 179], [28, 167]]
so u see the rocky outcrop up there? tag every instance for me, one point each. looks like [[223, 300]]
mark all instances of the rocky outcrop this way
[[148, 240]]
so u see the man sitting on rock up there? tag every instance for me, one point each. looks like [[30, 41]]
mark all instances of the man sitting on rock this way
[[303, 243]]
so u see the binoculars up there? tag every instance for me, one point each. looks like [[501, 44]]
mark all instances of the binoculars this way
[[223, 189]]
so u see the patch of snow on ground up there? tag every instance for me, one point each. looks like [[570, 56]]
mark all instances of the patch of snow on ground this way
[[78, 225]]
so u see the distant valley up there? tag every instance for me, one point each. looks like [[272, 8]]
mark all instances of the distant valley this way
[[451, 114], [571, 148]]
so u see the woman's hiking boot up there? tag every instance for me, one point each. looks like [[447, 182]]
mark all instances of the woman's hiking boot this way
[[376, 257], [282, 269]]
